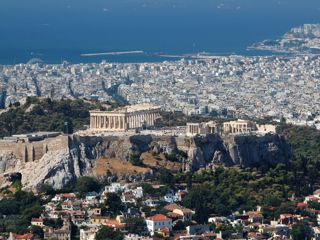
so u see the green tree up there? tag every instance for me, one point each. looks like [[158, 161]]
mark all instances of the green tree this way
[[37, 231], [147, 188], [114, 203], [136, 225], [165, 177], [135, 160], [106, 233], [301, 231], [9, 207], [25, 198], [32, 211], [179, 226], [54, 223], [47, 189], [87, 184], [226, 230], [198, 199]]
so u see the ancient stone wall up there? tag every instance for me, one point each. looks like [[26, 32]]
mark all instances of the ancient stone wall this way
[[31, 151]]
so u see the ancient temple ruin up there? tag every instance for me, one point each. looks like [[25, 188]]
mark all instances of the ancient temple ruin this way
[[125, 118]]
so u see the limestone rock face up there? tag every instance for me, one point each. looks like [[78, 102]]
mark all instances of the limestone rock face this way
[[79, 155], [55, 168], [254, 151], [243, 150], [7, 162], [77, 158], [206, 150]]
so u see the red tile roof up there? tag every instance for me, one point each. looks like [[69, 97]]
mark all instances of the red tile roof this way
[[158, 217], [302, 204], [113, 223], [24, 236], [69, 195], [36, 220], [286, 215], [313, 198], [172, 206]]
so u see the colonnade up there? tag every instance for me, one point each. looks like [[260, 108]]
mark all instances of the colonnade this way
[[193, 128], [100, 121], [235, 127], [139, 119], [110, 121], [203, 128]]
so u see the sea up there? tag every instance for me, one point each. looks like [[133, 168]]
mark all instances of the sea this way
[[63, 30]]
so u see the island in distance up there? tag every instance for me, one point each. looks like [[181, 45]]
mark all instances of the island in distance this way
[[299, 40]]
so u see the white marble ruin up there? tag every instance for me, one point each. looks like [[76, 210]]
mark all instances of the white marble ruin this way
[[122, 119]]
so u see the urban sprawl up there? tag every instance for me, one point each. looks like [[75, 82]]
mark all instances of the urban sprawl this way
[[254, 87]]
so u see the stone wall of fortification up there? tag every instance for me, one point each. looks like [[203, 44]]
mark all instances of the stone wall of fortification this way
[[31, 151]]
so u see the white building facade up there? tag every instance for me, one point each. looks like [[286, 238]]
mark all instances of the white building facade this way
[[157, 222]]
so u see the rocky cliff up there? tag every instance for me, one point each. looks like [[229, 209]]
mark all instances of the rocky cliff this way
[[242, 150], [80, 154]]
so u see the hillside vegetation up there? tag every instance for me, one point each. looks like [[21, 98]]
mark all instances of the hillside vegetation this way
[[46, 115], [229, 189]]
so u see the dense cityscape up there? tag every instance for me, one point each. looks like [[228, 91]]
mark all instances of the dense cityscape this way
[[254, 87]]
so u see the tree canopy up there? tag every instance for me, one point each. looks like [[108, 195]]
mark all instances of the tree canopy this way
[[106, 233]]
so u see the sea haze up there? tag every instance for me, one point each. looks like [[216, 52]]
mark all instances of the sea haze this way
[[56, 30]]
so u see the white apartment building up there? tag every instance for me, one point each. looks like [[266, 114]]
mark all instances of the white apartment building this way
[[157, 222]]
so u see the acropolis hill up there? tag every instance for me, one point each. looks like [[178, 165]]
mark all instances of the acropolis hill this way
[[57, 159]]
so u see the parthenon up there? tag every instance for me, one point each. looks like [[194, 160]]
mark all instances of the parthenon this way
[[122, 119]]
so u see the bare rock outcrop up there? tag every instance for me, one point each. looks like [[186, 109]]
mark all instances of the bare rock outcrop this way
[[242, 150], [78, 156]]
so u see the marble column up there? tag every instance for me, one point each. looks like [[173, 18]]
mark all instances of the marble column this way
[[106, 122], [149, 119], [118, 122], [144, 118]]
